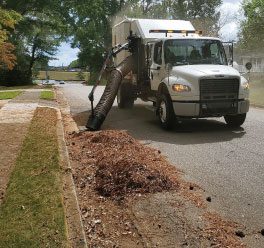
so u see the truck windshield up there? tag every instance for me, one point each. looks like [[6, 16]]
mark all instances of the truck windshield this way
[[190, 52]]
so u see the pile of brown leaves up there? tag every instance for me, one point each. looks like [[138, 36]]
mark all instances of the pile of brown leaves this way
[[123, 165], [117, 166]]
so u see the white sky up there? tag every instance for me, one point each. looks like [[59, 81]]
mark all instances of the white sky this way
[[66, 54]]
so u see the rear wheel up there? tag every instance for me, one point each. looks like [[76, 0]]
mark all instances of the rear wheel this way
[[125, 96], [235, 120], [165, 112]]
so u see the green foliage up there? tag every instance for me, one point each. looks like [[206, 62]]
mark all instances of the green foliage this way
[[93, 30], [203, 14], [44, 25], [75, 63], [8, 19], [252, 28], [81, 75]]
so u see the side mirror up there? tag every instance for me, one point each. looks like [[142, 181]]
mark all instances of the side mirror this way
[[248, 66]]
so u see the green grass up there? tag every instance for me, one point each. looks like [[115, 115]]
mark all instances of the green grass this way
[[9, 94], [48, 86], [32, 213], [18, 87], [47, 95], [257, 92]]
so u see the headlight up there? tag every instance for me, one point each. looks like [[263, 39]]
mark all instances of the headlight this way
[[181, 87], [245, 86]]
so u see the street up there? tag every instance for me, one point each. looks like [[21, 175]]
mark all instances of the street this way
[[227, 163]]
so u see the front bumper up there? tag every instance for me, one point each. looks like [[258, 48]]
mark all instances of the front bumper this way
[[210, 109]]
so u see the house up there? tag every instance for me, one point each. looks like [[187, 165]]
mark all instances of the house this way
[[257, 61]]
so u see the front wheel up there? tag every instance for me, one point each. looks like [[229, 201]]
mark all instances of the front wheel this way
[[235, 120], [125, 96], [165, 112]]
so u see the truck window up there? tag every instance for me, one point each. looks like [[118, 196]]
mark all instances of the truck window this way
[[194, 51], [158, 53]]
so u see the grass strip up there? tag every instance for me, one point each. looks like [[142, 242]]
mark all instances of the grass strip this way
[[256, 92], [32, 213], [18, 87], [47, 95], [48, 86], [9, 94]]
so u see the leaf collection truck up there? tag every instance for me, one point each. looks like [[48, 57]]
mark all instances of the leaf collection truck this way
[[171, 64]]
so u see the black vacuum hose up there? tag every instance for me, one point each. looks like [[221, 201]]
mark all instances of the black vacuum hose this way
[[103, 107]]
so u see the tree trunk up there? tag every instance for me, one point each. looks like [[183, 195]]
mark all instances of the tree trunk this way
[[32, 59]]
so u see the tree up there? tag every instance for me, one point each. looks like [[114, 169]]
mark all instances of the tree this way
[[93, 30], [8, 19], [252, 27], [203, 14], [81, 75], [75, 63], [44, 25]]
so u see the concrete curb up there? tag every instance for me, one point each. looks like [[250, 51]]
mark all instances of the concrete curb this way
[[73, 215]]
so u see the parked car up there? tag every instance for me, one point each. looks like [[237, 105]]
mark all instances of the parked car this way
[[49, 82]]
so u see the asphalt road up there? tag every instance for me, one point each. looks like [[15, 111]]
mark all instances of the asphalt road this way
[[227, 163]]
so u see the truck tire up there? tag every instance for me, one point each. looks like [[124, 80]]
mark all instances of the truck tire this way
[[235, 120], [165, 112], [125, 96]]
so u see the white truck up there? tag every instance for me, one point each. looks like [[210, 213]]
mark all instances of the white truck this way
[[184, 74]]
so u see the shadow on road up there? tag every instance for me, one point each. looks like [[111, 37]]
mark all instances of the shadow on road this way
[[142, 124]]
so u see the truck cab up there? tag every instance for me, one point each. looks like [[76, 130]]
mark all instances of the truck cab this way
[[192, 79]]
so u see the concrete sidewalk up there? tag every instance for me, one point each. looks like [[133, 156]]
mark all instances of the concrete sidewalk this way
[[15, 119]]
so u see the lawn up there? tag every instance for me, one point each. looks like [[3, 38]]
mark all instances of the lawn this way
[[19, 87], [32, 212], [47, 95], [9, 94], [48, 87], [257, 92]]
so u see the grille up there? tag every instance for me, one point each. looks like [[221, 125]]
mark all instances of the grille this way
[[219, 89]]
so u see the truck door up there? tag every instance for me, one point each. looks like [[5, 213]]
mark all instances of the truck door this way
[[229, 51], [156, 66]]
